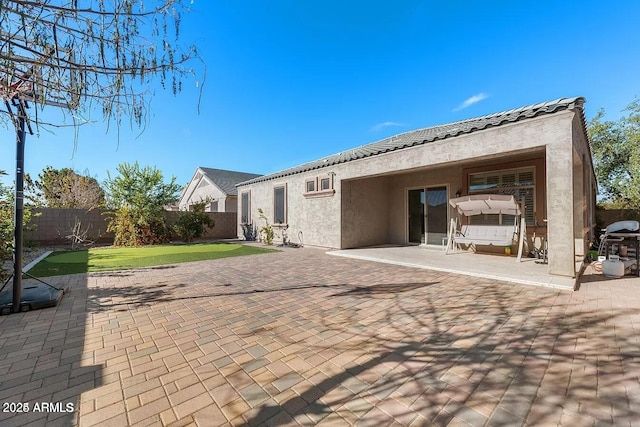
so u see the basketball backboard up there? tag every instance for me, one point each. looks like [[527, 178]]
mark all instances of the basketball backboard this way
[[45, 75]]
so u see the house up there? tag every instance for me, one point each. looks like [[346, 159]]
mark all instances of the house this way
[[216, 186], [396, 191]]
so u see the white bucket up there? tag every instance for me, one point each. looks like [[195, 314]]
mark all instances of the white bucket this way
[[613, 268]]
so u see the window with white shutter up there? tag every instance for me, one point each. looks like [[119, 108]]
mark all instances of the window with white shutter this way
[[519, 183]]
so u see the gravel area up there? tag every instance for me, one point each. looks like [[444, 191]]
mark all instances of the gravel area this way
[[28, 256]]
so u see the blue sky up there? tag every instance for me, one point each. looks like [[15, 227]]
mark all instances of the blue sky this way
[[292, 81]]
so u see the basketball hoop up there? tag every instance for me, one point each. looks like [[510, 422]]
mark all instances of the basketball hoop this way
[[40, 79], [22, 89]]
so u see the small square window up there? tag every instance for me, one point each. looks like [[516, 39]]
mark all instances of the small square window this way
[[325, 184], [311, 186], [319, 186]]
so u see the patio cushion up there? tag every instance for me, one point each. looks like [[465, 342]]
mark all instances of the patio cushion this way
[[499, 235]]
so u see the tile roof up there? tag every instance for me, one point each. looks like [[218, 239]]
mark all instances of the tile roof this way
[[430, 134], [227, 180]]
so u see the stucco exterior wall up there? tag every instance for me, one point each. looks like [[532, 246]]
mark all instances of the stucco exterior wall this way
[[316, 217], [451, 177], [581, 146], [486, 144], [584, 193], [355, 215], [320, 219], [365, 212], [560, 200]]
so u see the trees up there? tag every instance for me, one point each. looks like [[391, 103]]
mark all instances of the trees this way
[[64, 188], [6, 221], [83, 55], [615, 147], [138, 196]]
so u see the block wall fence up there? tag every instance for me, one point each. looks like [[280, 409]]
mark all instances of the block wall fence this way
[[52, 225], [608, 216]]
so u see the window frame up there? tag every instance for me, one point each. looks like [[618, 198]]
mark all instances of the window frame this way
[[499, 189], [328, 179], [248, 206], [318, 191], [282, 186], [313, 181]]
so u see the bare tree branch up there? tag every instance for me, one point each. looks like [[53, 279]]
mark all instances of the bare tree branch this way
[[83, 55]]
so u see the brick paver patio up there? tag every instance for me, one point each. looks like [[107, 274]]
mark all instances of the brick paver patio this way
[[300, 337]]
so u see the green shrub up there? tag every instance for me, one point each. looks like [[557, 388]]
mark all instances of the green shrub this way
[[131, 229], [192, 224], [267, 230], [139, 195], [6, 223], [6, 229]]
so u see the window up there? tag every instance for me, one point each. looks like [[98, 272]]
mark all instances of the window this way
[[244, 209], [311, 185], [213, 207], [280, 205], [519, 183], [319, 186], [325, 184]]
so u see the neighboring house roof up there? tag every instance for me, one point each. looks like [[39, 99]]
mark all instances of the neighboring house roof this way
[[227, 180], [435, 133], [224, 180]]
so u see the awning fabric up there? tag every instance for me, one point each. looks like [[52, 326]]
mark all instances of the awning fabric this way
[[477, 204]]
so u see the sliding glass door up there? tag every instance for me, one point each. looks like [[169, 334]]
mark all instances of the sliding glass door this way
[[427, 215]]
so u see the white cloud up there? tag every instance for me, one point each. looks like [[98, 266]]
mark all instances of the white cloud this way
[[383, 125], [470, 101]]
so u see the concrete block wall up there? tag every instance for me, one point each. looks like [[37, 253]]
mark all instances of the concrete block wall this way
[[224, 228], [52, 225], [609, 216]]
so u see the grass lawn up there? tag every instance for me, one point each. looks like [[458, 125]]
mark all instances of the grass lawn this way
[[109, 259]]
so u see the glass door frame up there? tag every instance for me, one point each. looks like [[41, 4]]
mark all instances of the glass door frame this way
[[425, 189]]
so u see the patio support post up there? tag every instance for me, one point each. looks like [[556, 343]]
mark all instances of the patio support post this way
[[559, 194]]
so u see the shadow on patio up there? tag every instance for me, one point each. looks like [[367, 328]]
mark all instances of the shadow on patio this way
[[438, 357], [43, 361], [136, 296], [334, 340]]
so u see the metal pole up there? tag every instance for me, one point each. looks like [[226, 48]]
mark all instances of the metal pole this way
[[19, 211]]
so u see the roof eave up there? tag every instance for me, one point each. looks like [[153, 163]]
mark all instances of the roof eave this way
[[504, 118]]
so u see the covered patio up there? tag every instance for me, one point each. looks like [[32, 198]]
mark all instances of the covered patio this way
[[489, 266]]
